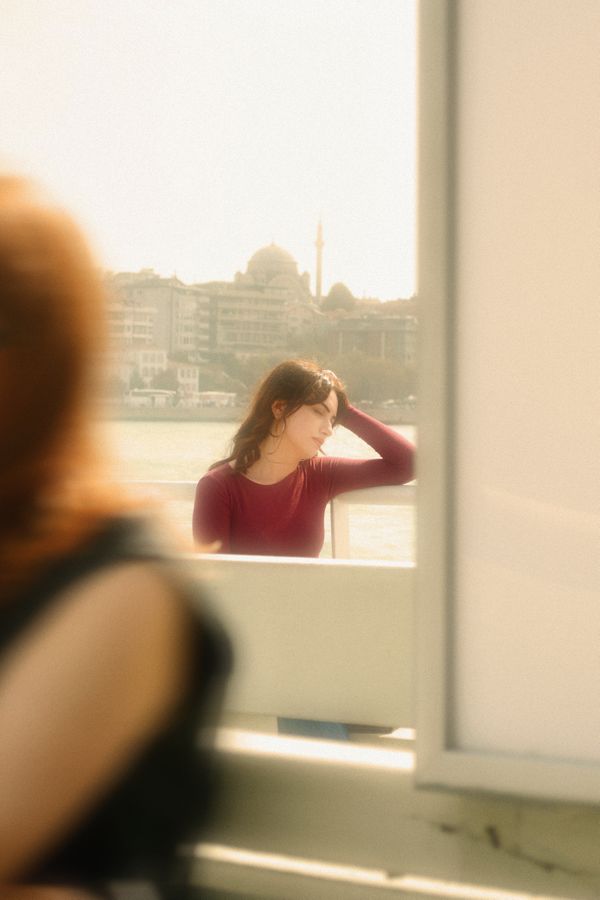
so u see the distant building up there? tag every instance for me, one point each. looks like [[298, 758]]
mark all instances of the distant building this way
[[258, 310], [385, 337], [146, 361], [149, 397], [304, 320], [273, 267], [175, 316], [268, 307], [130, 325], [186, 376]]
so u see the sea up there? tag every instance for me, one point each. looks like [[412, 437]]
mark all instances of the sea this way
[[183, 451]]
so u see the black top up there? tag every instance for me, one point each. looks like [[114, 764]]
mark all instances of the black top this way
[[163, 797]]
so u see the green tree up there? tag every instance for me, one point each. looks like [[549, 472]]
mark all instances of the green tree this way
[[373, 378], [214, 378], [254, 368], [114, 387], [135, 380], [309, 345], [165, 380]]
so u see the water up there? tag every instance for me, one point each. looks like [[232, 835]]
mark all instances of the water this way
[[183, 451]]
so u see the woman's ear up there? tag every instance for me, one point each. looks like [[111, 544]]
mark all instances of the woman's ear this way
[[278, 408]]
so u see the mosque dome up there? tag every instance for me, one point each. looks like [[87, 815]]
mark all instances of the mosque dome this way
[[271, 262], [339, 297]]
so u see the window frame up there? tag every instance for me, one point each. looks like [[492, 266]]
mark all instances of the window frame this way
[[439, 764]]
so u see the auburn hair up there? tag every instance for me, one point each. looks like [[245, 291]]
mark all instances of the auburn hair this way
[[296, 383], [51, 335]]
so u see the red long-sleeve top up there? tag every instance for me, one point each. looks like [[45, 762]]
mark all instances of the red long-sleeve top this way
[[286, 518]]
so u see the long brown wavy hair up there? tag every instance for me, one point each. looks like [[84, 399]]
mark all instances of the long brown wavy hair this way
[[51, 334], [296, 382]]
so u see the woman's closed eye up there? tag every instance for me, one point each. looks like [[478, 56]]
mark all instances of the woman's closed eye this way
[[324, 413]]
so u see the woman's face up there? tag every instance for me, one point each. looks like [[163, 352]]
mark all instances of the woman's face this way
[[310, 426]]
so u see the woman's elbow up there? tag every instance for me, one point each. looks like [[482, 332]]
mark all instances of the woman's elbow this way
[[205, 540], [404, 468], [409, 469]]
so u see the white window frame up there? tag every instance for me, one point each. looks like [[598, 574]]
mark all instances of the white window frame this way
[[439, 763]]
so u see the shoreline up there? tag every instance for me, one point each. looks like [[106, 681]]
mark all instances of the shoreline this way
[[389, 416]]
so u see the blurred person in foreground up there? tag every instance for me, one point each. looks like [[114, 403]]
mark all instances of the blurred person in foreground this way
[[107, 671]]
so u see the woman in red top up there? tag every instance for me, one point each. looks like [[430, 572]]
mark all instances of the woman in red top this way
[[269, 496]]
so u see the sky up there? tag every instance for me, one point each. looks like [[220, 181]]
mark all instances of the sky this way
[[186, 134]]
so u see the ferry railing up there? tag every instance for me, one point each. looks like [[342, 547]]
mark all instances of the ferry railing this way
[[339, 508], [315, 638]]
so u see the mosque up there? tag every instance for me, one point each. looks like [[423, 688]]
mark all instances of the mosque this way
[[265, 306], [274, 267], [162, 322]]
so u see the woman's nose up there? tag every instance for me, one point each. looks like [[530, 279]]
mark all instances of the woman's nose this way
[[327, 428]]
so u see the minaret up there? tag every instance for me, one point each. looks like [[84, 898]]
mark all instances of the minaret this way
[[319, 246]]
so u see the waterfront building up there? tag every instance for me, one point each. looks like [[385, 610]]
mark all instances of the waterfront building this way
[[179, 314], [146, 361], [304, 320], [375, 335], [136, 366], [267, 308], [130, 325], [186, 379], [262, 307]]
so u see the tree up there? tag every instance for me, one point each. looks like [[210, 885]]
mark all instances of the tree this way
[[114, 387], [213, 378], [166, 380], [135, 380], [373, 378], [254, 368], [310, 345]]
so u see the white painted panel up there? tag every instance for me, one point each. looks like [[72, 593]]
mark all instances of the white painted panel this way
[[509, 379], [316, 639], [527, 346]]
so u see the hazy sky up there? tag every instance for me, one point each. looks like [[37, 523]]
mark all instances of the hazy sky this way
[[186, 134]]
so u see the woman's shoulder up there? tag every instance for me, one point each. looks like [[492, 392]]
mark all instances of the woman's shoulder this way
[[222, 482], [116, 541], [126, 575], [318, 467], [319, 463], [222, 473]]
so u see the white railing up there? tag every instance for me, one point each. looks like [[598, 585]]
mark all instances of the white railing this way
[[339, 508], [391, 495]]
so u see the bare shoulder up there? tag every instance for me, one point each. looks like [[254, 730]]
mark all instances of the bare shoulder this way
[[124, 624], [219, 477], [115, 597], [133, 614], [128, 589], [81, 691]]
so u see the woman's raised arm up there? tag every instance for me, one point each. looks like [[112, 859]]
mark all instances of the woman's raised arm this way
[[396, 465]]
